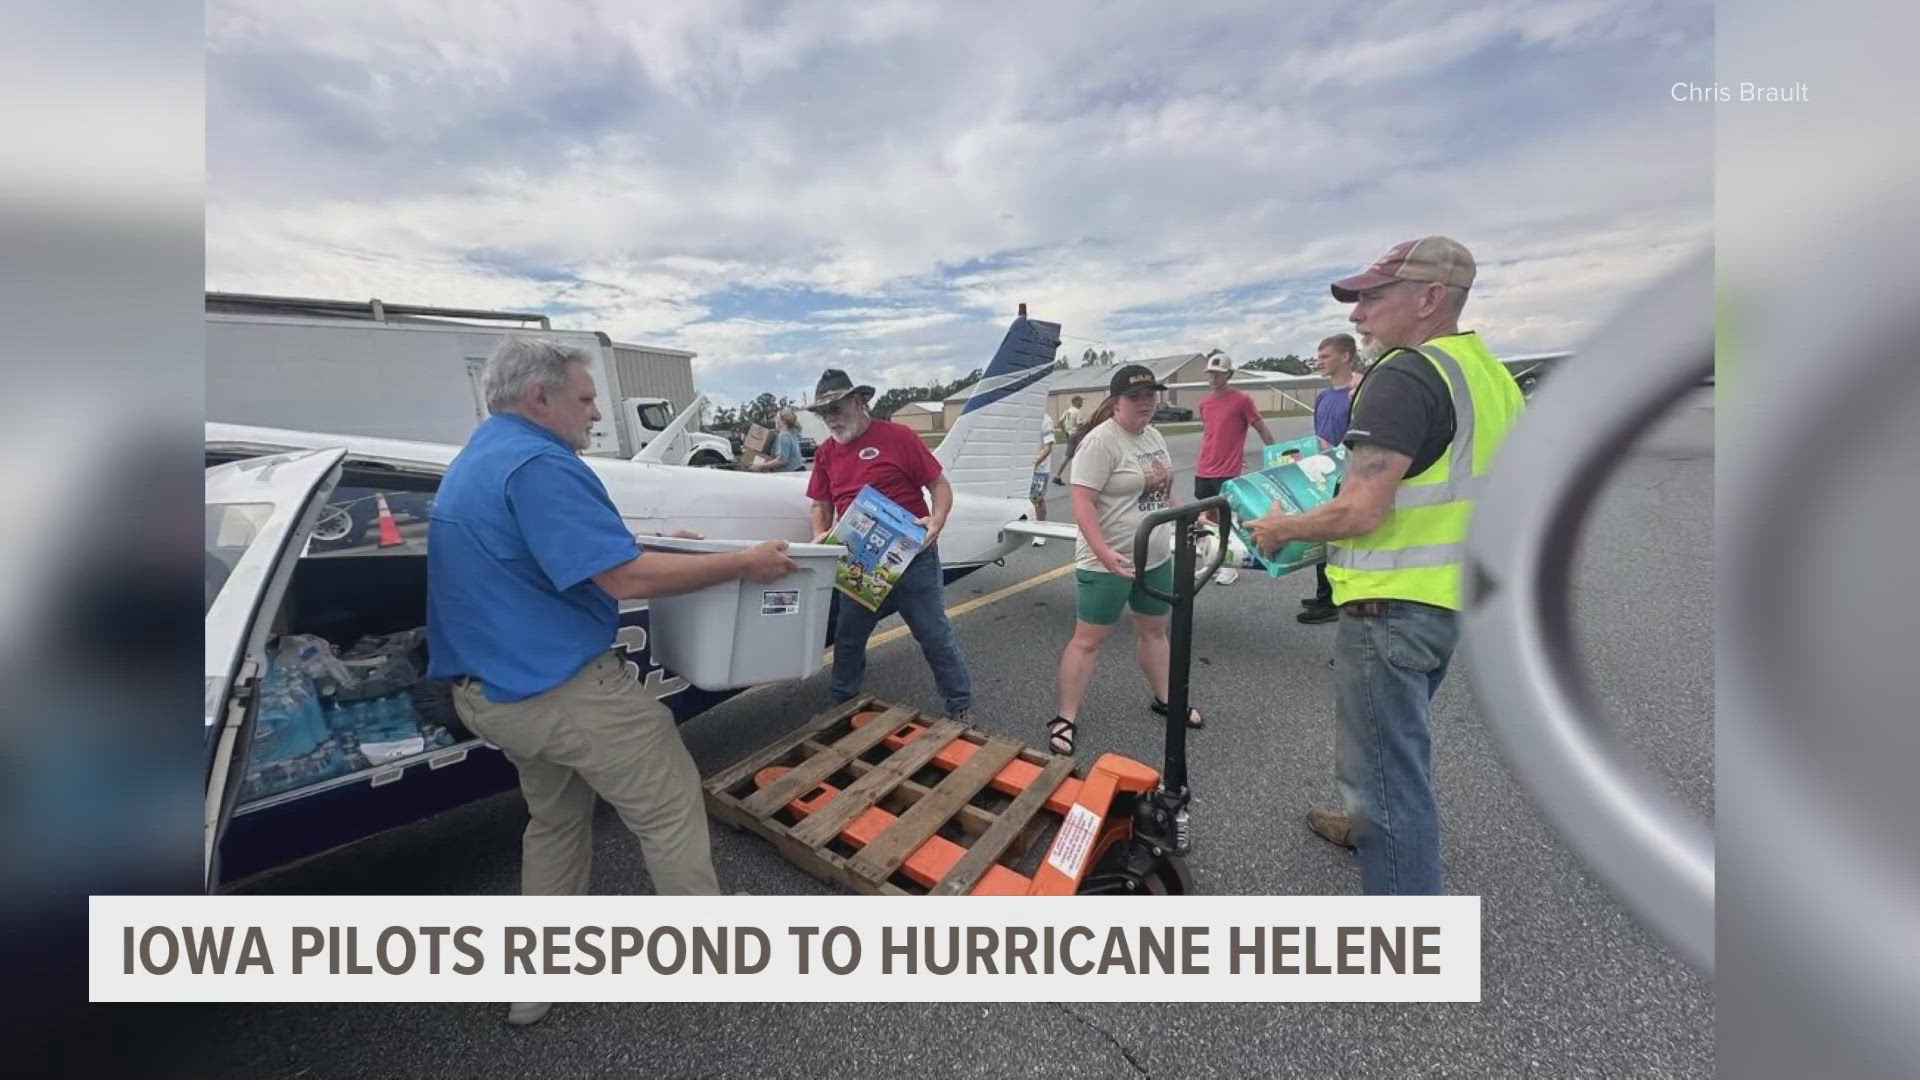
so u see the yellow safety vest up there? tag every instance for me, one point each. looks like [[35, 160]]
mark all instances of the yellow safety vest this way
[[1416, 551]]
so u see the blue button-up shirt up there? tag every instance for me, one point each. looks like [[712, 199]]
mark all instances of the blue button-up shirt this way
[[519, 528]]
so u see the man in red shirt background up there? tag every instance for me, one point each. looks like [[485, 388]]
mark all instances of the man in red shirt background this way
[[1225, 416], [896, 461]]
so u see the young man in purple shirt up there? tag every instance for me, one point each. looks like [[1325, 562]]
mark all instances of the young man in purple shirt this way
[[1330, 413]]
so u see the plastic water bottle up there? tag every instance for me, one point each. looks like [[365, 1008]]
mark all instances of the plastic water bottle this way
[[288, 723], [397, 717], [312, 717], [385, 722]]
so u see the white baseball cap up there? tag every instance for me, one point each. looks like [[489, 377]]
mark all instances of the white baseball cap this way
[[1219, 361]]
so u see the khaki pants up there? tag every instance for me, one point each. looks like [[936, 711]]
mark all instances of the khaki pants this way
[[599, 731]]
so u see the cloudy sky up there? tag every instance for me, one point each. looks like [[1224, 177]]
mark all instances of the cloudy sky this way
[[786, 187]]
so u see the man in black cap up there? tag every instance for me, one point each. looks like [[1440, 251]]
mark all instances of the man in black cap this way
[[896, 462]]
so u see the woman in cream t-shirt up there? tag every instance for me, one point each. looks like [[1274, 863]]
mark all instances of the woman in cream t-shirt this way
[[1121, 473]]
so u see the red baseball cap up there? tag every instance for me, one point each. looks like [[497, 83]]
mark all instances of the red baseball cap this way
[[1430, 258]]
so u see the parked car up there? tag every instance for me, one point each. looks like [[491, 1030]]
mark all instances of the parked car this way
[[1172, 414]]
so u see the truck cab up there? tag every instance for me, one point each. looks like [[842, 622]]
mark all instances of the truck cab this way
[[644, 419]]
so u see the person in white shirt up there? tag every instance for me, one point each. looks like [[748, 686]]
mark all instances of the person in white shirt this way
[[1123, 473], [1070, 424], [1037, 490]]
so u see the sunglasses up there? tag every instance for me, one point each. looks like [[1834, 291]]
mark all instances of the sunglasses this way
[[833, 410]]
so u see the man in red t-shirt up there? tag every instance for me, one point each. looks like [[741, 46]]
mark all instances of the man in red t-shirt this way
[[898, 464], [1225, 415]]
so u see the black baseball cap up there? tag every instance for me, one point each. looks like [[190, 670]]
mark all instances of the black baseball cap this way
[[1133, 377]]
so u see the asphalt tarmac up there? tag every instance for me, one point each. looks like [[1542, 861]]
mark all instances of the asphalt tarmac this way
[[1572, 986]]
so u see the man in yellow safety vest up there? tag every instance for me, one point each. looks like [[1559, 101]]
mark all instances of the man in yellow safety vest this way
[[1426, 420]]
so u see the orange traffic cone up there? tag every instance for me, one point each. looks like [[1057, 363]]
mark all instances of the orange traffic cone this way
[[389, 528]]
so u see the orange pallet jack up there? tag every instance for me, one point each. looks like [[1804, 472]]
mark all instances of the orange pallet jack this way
[[883, 799]]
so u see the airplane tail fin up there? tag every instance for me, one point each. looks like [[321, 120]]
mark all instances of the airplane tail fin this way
[[991, 448]]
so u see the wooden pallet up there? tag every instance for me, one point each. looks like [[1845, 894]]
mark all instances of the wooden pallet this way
[[882, 799]]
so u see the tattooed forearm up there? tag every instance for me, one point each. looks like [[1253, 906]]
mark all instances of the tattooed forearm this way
[[1368, 462]]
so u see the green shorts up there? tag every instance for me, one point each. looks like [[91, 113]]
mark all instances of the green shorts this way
[[1102, 595]]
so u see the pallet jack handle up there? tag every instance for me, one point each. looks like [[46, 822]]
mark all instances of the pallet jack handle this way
[[1186, 586]]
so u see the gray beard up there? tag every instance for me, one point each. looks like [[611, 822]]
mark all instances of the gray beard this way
[[1368, 354]]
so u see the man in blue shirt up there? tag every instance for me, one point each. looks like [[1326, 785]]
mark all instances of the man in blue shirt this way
[[1331, 409], [527, 562]]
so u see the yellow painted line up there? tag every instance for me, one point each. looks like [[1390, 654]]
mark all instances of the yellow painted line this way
[[977, 602]]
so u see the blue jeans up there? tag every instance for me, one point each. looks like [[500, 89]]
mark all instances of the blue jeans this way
[[920, 596], [1386, 670]]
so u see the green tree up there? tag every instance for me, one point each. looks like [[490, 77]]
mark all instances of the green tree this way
[[890, 402], [1286, 365], [761, 410]]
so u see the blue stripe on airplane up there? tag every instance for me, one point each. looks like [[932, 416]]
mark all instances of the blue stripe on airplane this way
[[1020, 351], [989, 397]]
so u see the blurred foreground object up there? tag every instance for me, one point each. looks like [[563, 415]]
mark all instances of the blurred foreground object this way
[[1817, 739], [1654, 854]]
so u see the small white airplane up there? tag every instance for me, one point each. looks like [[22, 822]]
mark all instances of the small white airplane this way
[[288, 551]]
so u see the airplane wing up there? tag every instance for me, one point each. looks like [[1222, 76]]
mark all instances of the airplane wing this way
[[1532, 360], [1056, 530], [1276, 380]]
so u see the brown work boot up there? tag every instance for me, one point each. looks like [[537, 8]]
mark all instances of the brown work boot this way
[[1331, 826]]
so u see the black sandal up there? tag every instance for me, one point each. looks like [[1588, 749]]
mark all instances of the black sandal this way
[[1060, 732], [1194, 719]]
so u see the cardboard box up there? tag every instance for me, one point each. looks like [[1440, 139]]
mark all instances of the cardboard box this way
[[758, 439], [881, 538]]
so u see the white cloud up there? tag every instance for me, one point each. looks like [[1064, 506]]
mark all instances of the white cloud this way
[[1128, 171]]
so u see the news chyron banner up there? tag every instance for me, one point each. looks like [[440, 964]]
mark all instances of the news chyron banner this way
[[785, 948]]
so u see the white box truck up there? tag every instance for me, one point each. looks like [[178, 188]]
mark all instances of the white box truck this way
[[401, 371]]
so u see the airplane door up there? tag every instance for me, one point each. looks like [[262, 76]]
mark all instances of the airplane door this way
[[259, 514]]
